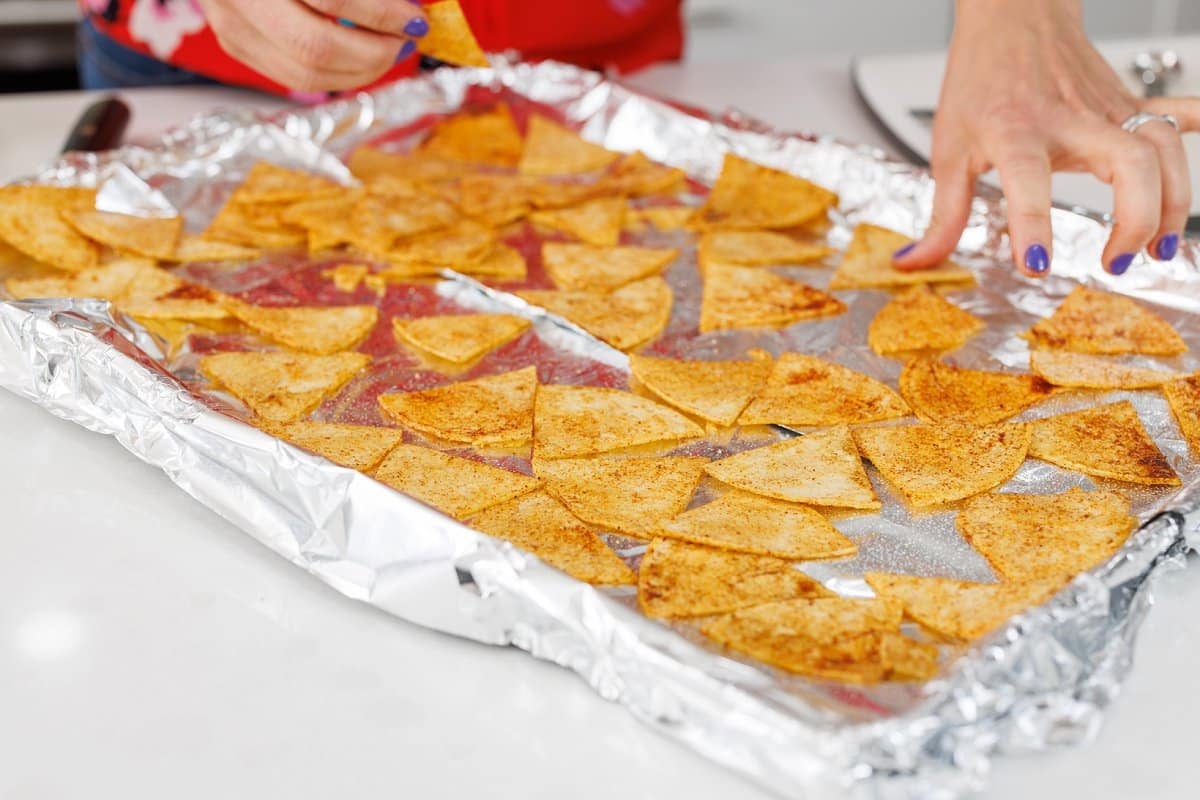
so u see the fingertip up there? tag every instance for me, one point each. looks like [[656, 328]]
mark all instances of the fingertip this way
[[1034, 260], [1166, 247]]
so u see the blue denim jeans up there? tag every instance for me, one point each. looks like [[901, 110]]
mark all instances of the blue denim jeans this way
[[106, 64]]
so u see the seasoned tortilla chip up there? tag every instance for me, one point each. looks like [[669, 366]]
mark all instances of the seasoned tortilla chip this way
[[625, 318], [31, 221], [458, 487], [360, 447], [152, 237], [1092, 321], [804, 391], [175, 332], [370, 163], [551, 149], [921, 319], [934, 464], [459, 337], [635, 175], [450, 38], [378, 222], [347, 277], [255, 225], [664, 218], [459, 247], [583, 420], [715, 391], [107, 282], [749, 196], [1183, 396], [749, 523], [679, 580], [1107, 441], [270, 183], [1064, 368], [868, 263], [540, 524], [597, 222], [198, 248], [820, 468], [311, 329], [743, 297], [939, 392], [757, 248], [581, 267], [560, 192], [494, 410], [157, 294], [503, 263], [282, 387], [494, 200], [1028, 537], [624, 495], [484, 137], [961, 609]]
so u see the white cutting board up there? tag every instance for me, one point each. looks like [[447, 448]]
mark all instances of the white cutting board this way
[[892, 85]]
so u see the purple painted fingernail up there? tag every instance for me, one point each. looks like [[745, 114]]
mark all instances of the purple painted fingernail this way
[[1037, 260], [1121, 263], [406, 49], [903, 251], [1167, 247], [417, 27]]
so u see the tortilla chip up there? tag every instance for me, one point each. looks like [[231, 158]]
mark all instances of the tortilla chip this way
[[551, 149], [1027, 537], [749, 523], [346, 277], [378, 222], [806, 391], [495, 200], [370, 163], [311, 329], [597, 222], [1183, 396], [459, 338], [197, 248], [581, 267], [574, 421], [458, 487], [715, 391], [497, 409], [559, 192], [868, 263], [450, 38], [1064, 368], [961, 609], [934, 464], [1107, 441], [921, 319], [270, 183], [664, 218], [326, 218], [485, 137], [1092, 321], [31, 221], [540, 524], [157, 294], [458, 247], [749, 196], [174, 333], [757, 248], [503, 263], [635, 175], [282, 387], [939, 392], [625, 318], [258, 226], [153, 237], [742, 297], [624, 495], [107, 282], [360, 447], [678, 580]]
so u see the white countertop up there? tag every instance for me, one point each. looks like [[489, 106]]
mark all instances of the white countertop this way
[[152, 650]]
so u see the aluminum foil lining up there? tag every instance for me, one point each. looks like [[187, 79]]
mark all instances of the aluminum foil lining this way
[[1041, 682]]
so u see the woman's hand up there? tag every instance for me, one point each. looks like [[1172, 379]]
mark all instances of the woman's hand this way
[[1026, 93], [300, 43]]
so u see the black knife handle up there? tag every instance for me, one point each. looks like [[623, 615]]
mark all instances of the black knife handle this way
[[100, 127]]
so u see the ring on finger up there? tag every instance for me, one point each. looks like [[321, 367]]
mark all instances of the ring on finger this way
[[1135, 121]]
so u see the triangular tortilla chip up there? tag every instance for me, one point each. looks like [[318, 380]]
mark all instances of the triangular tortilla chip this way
[[934, 464], [744, 297], [255, 225], [635, 175], [157, 294], [175, 332], [359, 447], [748, 196], [624, 495], [1183, 396], [458, 487], [459, 338], [1028, 537], [369, 163], [820, 468], [551, 149], [1064, 368], [503, 263], [494, 410], [31, 221], [625, 318], [282, 387], [679, 580], [311, 329], [581, 267], [540, 524], [664, 218], [583, 420], [868, 263], [347, 277], [458, 247], [757, 248], [1092, 321], [197, 248], [806, 391], [152, 237], [752, 524], [107, 282], [450, 38], [597, 222], [485, 137], [921, 319], [939, 392], [715, 391], [1107, 441], [961, 609], [494, 199], [378, 222], [271, 183]]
